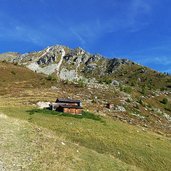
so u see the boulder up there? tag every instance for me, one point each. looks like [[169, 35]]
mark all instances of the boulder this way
[[119, 108], [43, 105], [115, 82]]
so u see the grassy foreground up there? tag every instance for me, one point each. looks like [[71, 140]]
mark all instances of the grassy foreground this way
[[103, 144]]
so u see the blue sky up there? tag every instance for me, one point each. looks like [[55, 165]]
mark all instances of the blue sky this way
[[139, 30]]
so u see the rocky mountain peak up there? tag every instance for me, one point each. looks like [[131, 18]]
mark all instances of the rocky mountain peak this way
[[62, 60], [79, 51]]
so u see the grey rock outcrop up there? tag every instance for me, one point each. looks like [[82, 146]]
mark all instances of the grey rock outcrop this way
[[68, 74]]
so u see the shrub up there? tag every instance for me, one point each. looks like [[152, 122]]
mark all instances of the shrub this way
[[133, 84], [144, 90], [15, 63], [67, 82], [121, 87], [149, 106], [105, 80], [140, 101], [13, 72], [51, 78], [164, 101], [127, 89], [4, 61], [81, 83], [108, 81], [163, 89], [128, 100]]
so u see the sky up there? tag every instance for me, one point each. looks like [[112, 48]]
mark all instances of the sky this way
[[139, 30]]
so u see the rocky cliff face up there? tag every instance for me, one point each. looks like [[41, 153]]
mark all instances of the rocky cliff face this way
[[66, 63]]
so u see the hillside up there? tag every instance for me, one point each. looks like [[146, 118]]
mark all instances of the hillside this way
[[136, 92], [77, 64], [133, 135], [26, 146]]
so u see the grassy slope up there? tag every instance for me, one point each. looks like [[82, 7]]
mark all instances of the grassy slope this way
[[14, 79], [110, 145], [140, 76], [129, 144], [27, 147]]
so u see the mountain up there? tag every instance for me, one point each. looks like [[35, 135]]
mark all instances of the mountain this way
[[77, 64], [67, 63]]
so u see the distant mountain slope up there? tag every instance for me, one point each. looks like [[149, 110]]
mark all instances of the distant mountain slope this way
[[66, 62], [14, 78], [10, 56], [77, 64]]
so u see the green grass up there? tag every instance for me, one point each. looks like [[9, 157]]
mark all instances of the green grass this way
[[129, 144], [85, 114]]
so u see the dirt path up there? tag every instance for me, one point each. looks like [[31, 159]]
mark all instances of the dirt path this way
[[24, 146], [10, 155]]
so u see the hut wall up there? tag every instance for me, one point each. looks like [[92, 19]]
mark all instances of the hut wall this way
[[72, 110], [66, 110], [78, 111]]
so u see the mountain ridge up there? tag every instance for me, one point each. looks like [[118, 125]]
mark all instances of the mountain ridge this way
[[76, 62]]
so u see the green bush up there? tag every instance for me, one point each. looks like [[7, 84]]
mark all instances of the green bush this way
[[105, 80], [133, 84], [108, 81], [163, 89], [81, 83], [121, 87], [51, 78], [127, 89], [164, 101], [144, 90]]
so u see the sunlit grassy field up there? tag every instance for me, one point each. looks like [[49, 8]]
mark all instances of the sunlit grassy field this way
[[109, 139]]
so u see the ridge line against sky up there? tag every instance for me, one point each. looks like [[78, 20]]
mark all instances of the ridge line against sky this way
[[139, 30]]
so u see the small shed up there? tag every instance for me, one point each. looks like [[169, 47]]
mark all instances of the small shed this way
[[67, 106]]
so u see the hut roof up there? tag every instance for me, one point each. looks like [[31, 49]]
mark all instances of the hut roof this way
[[67, 101]]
